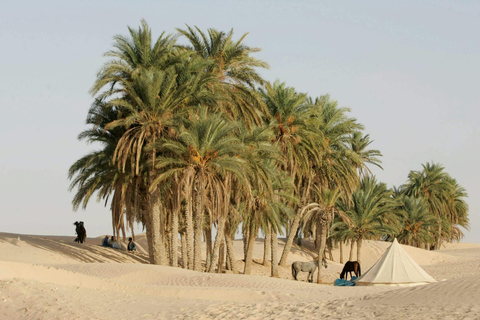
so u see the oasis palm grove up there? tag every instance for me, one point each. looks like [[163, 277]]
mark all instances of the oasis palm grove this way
[[192, 139]]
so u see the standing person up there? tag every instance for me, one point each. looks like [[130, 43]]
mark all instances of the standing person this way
[[131, 245]]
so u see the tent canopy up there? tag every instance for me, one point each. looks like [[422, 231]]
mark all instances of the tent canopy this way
[[395, 268]]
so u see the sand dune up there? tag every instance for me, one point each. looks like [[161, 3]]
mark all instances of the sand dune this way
[[48, 277]]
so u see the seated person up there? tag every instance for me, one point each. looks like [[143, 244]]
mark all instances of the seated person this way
[[111, 241], [131, 245], [115, 244], [105, 242]]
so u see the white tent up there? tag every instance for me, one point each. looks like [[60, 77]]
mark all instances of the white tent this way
[[395, 268]]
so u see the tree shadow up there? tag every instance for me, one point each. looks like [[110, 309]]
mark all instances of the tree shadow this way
[[86, 252]]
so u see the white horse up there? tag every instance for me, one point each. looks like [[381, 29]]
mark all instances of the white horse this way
[[309, 267]]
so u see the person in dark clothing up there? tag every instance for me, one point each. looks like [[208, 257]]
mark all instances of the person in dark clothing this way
[[131, 245], [105, 242]]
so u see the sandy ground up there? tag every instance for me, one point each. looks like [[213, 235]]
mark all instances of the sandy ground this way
[[50, 277]]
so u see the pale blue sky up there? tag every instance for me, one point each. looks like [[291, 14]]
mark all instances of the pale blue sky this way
[[409, 70]]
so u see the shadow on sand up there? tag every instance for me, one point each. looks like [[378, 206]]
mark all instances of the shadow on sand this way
[[89, 252]]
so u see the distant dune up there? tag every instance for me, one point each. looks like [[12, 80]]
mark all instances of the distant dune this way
[[52, 277]]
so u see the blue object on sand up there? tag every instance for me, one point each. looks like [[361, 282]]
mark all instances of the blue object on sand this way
[[345, 283]]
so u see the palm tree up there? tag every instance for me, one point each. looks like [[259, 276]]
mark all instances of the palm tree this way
[[131, 55], [321, 215], [268, 207], [95, 172], [206, 151], [458, 216], [290, 117], [263, 205], [416, 222], [337, 162], [150, 103], [135, 61], [432, 184], [335, 174], [234, 68], [359, 144], [371, 203]]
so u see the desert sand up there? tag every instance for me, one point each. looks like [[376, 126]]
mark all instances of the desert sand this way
[[52, 277]]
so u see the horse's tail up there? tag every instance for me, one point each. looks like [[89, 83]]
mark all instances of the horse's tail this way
[[359, 270], [294, 272]]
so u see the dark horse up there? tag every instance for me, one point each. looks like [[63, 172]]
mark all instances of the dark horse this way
[[81, 232], [309, 267], [351, 266]]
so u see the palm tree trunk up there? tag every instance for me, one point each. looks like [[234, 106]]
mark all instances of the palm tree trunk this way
[[439, 236], [267, 245], [184, 251], [321, 249], [318, 236], [250, 246], [174, 239], [299, 237], [291, 237], [341, 251], [221, 257], [164, 258], [189, 232], [209, 252], [352, 244], [219, 238], [329, 247], [176, 203], [122, 227], [296, 221], [155, 222], [230, 250], [274, 244], [245, 241], [148, 225], [228, 265], [359, 250], [199, 198]]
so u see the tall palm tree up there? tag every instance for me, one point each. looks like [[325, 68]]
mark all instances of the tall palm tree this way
[[133, 62], [95, 172], [337, 162], [458, 211], [335, 174], [235, 71], [416, 222], [290, 117], [268, 208], [206, 151], [371, 203], [150, 102], [321, 215], [130, 55], [432, 184], [264, 205]]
